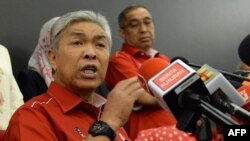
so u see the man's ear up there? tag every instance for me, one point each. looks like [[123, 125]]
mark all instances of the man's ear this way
[[52, 58], [121, 33]]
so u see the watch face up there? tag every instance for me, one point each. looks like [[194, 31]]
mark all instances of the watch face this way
[[98, 127], [101, 128]]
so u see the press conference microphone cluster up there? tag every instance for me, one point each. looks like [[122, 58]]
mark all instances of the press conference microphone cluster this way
[[179, 88], [224, 96], [241, 83]]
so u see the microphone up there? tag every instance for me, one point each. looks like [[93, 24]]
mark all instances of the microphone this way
[[228, 75], [244, 50], [244, 91], [180, 88], [223, 95]]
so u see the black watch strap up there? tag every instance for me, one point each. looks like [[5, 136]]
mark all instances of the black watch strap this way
[[102, 128]]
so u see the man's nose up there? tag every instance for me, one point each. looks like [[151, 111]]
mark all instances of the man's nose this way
[[143, 27], [89, 52]]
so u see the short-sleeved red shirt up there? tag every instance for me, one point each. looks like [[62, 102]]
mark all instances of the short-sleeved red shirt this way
[[57, 115], [125, 64]]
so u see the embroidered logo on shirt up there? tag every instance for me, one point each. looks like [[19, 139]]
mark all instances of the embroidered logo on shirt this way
[[78, 130]]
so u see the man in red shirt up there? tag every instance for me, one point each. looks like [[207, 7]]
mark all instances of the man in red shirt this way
[[137, 31], [71, 110]]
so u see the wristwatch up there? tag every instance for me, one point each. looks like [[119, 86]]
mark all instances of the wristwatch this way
[[101, 128]]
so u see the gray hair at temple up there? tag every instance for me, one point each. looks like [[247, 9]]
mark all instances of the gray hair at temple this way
[[88, 16]]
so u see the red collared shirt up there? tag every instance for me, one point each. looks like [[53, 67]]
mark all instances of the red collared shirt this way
[[57, 115], [125, 64]]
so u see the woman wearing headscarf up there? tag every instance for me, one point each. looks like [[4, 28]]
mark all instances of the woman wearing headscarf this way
[[36, 79]]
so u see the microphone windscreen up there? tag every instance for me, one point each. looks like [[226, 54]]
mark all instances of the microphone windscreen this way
[[179, 57], [244, 50], [151, 67]]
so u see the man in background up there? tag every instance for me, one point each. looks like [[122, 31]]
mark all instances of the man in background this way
[[137, 30]]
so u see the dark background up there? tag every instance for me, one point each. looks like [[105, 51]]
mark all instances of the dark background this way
[[203, 31]]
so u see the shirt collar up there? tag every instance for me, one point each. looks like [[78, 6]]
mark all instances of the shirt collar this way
[[135, 51], [68, 100]]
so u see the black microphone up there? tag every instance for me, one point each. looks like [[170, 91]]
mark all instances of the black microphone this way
[[230, 76], [244, 50], [225, 104], [181, 89]]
